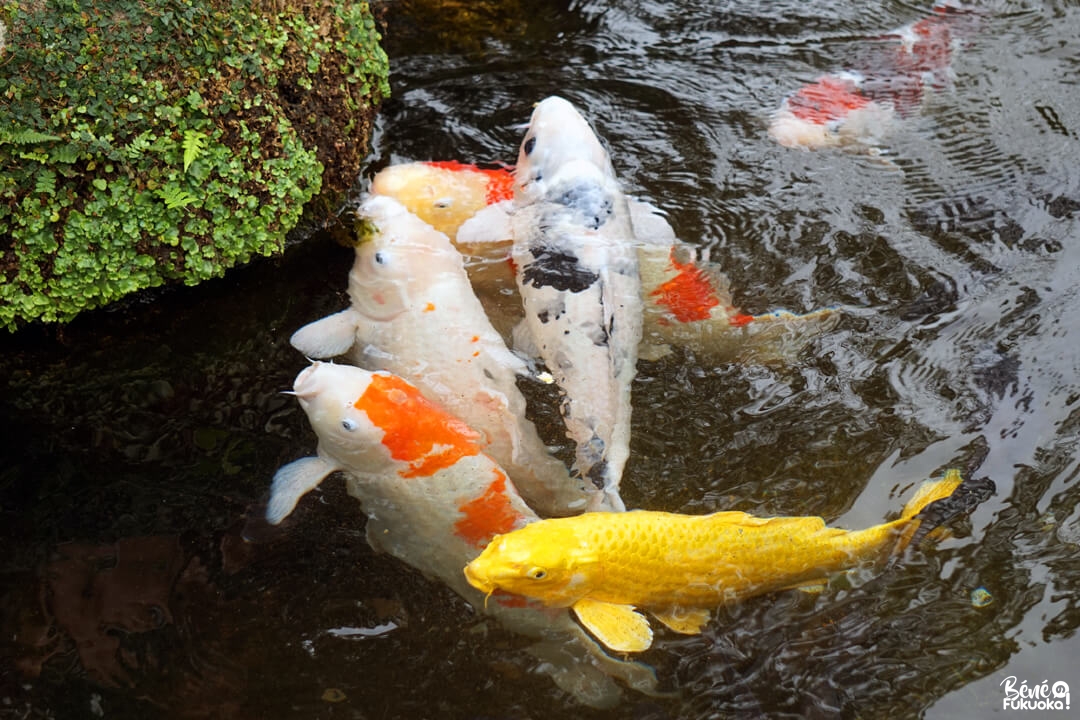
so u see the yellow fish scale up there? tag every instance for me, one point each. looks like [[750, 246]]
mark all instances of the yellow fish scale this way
[[655, 559]]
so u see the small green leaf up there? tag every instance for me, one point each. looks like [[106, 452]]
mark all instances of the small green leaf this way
[[100, 183], [194, 144]]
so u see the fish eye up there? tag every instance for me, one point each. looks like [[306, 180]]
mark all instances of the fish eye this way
[[349, 424], [381, 258], [530, 145], [537, 573], [443, 203]]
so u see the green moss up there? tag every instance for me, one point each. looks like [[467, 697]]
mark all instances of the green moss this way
[[150, 141]]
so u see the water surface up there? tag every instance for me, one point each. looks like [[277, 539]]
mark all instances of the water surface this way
[[137, 437]]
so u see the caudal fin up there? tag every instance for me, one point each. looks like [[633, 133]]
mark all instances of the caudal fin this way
[[932, 491], [939, 501]]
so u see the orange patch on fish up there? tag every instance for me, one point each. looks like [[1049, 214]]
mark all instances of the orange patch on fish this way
[[500, 182], [415, 429], [430, 307], [488, 515], [830, 98], [689, 295], [740, 319]]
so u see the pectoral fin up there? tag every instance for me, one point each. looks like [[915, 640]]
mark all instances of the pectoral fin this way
[[292, 482], [490, 225], [619, 627], [327, 338], [688, 621]]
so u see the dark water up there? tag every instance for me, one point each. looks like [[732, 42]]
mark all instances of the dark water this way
[[135, 440]]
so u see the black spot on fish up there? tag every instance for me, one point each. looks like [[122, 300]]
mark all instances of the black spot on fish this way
[[592, 204], [529, 146], [543, 316], [595, 475], [559, 270]]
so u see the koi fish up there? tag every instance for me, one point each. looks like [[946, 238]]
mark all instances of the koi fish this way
[[677, 567], [414, 314], [444, 194], [577, 273], [433, 500], [859, 105], [686, 301]]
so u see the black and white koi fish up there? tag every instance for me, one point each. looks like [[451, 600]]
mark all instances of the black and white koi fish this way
[[577, 273]]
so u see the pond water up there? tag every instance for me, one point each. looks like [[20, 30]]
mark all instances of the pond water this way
[[136, 438]]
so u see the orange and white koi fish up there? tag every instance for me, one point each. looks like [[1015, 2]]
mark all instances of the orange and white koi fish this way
[[433, 500], [414, 314], [686, 301], [859, 105], [678, 567], [577, 273]]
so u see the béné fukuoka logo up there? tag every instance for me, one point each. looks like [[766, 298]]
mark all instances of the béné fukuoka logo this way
[[1040, 696]]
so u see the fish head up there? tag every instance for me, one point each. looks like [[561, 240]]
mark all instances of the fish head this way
[[557, 135], [399, 259], [329, 394], [376, 423], [443, 194], [545, 560]]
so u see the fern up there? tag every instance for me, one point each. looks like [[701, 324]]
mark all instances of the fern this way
[[175, 197], [25, 136], [66, 154], [138, 145], [46, 183], [194, 144]]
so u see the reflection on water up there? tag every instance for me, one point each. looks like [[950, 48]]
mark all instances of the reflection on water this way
[[137, 438]]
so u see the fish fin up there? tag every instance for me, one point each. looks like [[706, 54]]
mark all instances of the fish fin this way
[[688, 621], [810, 587], [962, 501], [779, 336], [490, 225], [653, 351], [523, 340], [618, 627], [650, 225], [327, 338], [291, 482], [930, 491]]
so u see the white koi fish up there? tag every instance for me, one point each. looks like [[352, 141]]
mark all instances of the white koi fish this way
[[686, 300], [577, 273], [434, 500], [414, 314]]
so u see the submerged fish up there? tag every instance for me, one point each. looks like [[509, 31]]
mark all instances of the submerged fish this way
[[686, 300], [433, 499], [443, 194], [577, 274], [678, 566], [414, 314], [860, 104]]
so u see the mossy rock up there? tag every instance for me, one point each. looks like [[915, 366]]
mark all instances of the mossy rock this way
[[152, 141]]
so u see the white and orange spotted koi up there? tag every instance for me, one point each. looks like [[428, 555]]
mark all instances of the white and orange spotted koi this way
[[434, 500], [414, 314], [858, 105], [686, 301]]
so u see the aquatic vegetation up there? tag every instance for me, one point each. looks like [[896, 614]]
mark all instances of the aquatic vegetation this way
[[169, 140]]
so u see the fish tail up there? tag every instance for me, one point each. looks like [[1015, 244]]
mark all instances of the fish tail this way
[[939, 501], [931, 491]]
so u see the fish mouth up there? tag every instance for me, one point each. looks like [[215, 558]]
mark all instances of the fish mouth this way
[[483, 585], [306, 384]]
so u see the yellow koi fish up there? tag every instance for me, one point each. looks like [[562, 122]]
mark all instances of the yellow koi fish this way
[[603, 565]]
